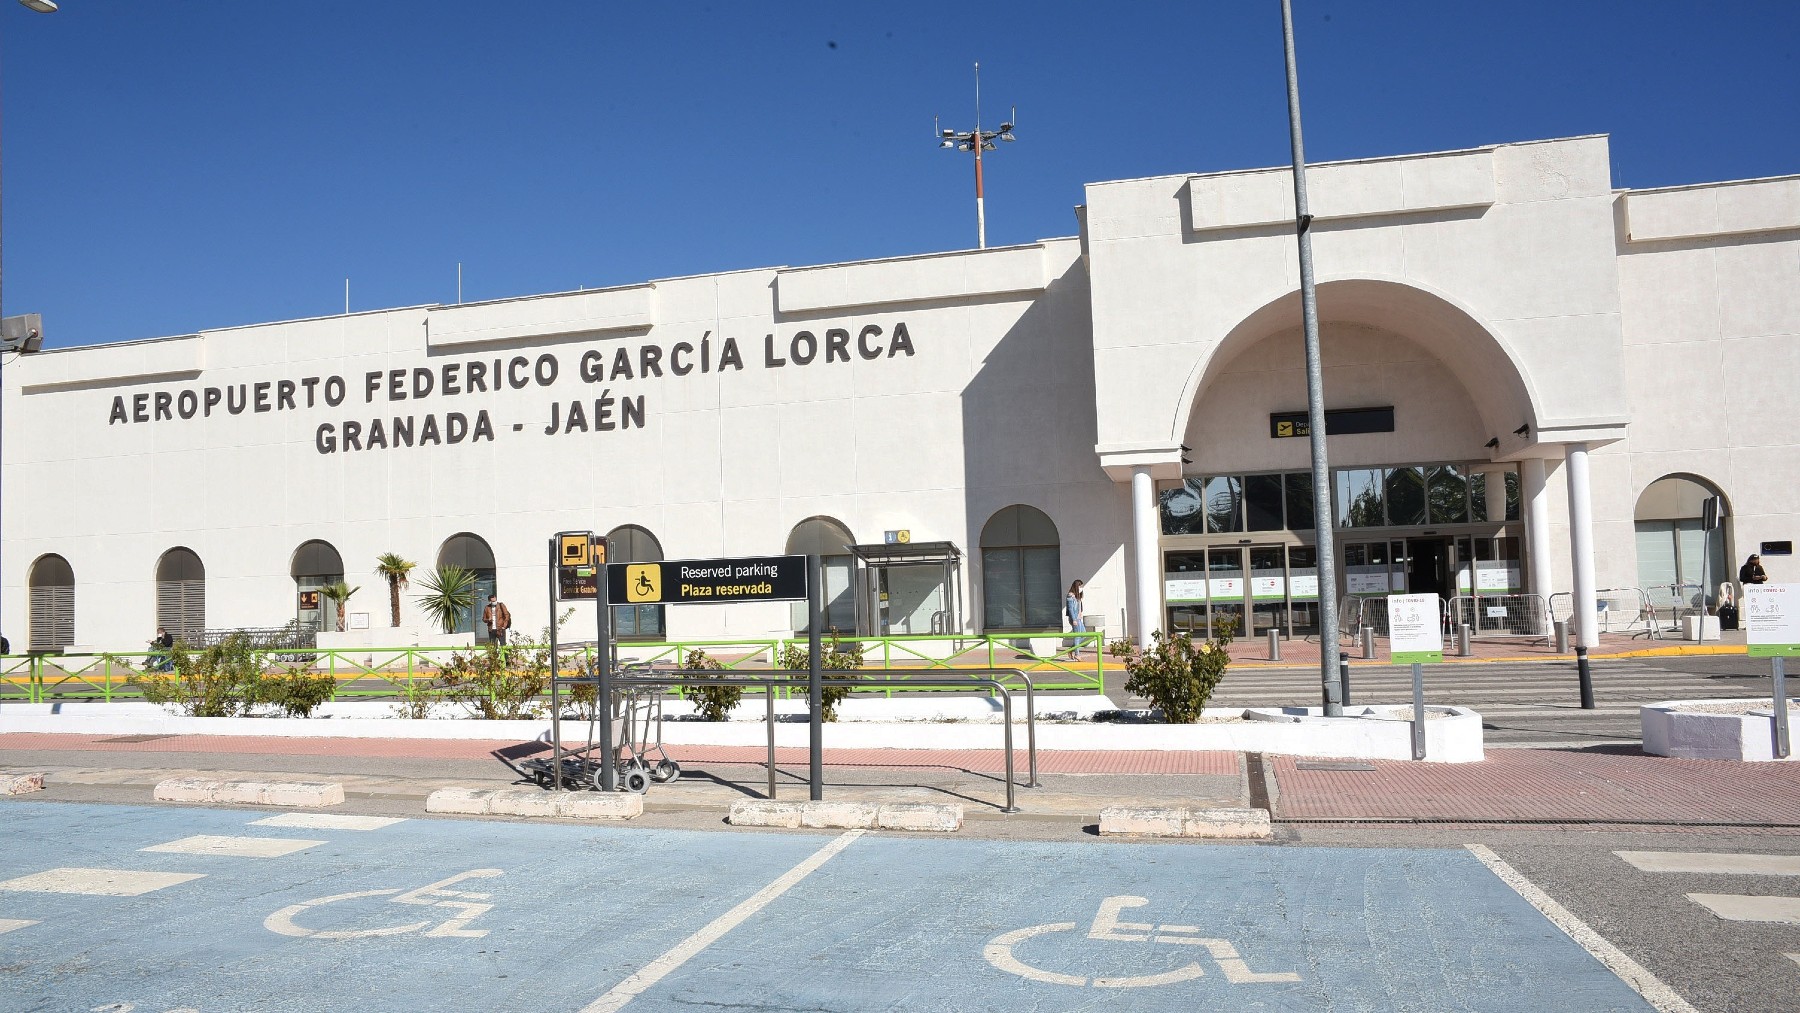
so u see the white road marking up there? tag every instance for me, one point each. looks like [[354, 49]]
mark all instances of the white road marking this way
[[1795, 957], [8, 924], [283, 922], [98, 882], [1108, 926], [327, 821], [234, 847], [1629, 971], [1736, 908], [682, 952], [1706, 862]]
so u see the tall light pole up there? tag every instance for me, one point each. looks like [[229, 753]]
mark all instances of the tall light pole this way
[[18, 344], [978, 140], [1331, 685]]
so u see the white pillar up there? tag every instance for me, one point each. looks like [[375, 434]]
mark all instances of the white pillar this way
[[1145, 546], [1537, 524], [1581, 546]]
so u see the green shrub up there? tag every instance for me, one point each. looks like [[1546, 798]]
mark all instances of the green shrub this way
[[221, 681], [1176, 674], [297, 694], [714, 703], [502, 683], [834, 658]]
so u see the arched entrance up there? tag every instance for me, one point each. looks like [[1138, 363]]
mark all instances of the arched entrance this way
[[1680, 564], [181, 595], [316, 564], [471, 552], [52, 605]]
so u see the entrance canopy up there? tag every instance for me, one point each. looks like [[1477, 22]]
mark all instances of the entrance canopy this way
[[910, 587]]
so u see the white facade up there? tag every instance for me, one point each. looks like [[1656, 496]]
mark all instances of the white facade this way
[[1505, 294]]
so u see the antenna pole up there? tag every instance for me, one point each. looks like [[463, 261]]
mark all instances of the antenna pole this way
[[980, 199]]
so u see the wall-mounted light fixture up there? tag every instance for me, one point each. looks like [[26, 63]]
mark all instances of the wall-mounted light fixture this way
[[1524, 430]]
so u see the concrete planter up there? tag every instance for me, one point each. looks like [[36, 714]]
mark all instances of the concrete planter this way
[[1712, 729]]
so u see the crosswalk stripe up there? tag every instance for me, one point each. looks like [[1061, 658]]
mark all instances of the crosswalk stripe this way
[[327, 821], [1739, 908], [234, 847], [98, 882], [1713, 862]]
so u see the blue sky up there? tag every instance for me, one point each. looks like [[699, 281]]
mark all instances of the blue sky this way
[[175, 165]]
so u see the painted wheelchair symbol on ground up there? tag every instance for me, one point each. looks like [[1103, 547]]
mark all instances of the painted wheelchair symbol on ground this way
[[1107, 926], [430, 895]]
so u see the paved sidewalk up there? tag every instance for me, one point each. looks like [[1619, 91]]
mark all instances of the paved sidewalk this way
[[1523, 785]]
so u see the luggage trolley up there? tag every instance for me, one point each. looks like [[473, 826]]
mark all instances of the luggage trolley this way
[[638, 758]]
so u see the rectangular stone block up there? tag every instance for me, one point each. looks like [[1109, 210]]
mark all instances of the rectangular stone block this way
[[462, 801], [933, 817], [1152, 822], [20, 784], [759, 812], [840, 815], [601, 806], [302, 794], [186, 789], [529, 802], [237, 792], [1227, 823]]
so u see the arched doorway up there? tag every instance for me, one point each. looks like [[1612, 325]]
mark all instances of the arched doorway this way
[[316, 564], [472, 553], [181, 596], [629, 543], [1679, 563], [1021, 571], [830, 541], [52, 608]]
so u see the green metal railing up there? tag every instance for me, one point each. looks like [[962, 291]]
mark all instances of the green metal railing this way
[[394, 672]]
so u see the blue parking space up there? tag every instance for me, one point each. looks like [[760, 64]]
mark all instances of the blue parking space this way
[[506, 916]]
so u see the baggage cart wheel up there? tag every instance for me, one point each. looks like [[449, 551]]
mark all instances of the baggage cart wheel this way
[[635, 780], [542, 777], [665, 770]]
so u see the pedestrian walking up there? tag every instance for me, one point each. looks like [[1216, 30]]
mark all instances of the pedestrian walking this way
[[498, 620], [1072, 609], [160, 658]]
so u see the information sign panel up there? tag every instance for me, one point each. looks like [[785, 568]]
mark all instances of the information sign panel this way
[[708, 581], [580, 556], [1415, 629], [1772, 620]]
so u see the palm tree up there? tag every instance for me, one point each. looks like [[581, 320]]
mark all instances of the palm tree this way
[[393, 569], [339, 593], [449, 595]]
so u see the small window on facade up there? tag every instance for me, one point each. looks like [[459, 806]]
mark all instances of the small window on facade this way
[[315, 565], [181, 596], [1021, 571], [52, 606]]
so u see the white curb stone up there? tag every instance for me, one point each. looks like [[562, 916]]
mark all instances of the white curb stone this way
[[281, 793], [529, 802], [936, 817], [20, 784], [1239, 824], [760, 812], [840, 815]]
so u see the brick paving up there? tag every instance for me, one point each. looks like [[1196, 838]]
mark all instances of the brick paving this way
[[1547, 785]]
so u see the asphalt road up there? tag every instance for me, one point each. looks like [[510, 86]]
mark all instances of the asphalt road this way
[[209, 909]]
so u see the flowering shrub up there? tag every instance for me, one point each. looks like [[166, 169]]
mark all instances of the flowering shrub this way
[[1175, 673]]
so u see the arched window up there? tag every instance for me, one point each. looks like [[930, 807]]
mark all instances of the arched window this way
[[1021, 571], [1671, 544], [830, 540], [629, 543], [181, 596], [52, 583], [472, 553], [315, 565]]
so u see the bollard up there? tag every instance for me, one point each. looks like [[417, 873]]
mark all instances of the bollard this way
[[1274, 645], [1368, 644], [1344, 675], [1465, 644], [1562, 636]]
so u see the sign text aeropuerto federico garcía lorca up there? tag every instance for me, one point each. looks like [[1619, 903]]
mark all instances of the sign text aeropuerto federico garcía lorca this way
[[467, 377]]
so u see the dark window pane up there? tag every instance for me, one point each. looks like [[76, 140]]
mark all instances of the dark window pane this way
[[1224, 497], [1406, 496], [1448, 491], [1478, 511], [1512, 496], [1359, 498], [1002, 590], [1182, 510], [1299, 489], [1043, 588], [1262, 502]]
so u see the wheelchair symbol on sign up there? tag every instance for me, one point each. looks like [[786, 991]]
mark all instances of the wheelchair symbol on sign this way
[[1107, 926], [431, 895]]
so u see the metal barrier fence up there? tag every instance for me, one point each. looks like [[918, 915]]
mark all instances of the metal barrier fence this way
[[1358, 612], [1619, 610], [1498, 615], [890, 665]]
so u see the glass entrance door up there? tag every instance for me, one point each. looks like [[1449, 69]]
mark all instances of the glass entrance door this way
[[1226, 590]]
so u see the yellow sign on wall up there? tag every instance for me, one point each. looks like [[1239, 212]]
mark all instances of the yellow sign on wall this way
[[643, 582]]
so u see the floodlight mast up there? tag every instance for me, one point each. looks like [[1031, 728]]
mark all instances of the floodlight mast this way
[[977, 140]]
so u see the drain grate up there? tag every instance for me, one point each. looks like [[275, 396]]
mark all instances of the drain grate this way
[[138, 738], [1328, 765]]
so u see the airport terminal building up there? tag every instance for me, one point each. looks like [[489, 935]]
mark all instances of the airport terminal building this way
[[1509, 342]]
